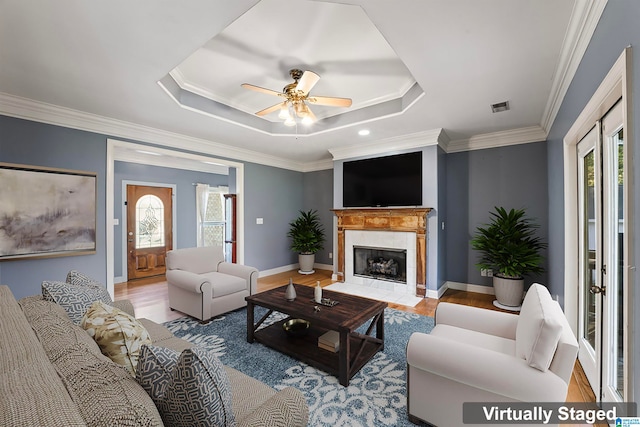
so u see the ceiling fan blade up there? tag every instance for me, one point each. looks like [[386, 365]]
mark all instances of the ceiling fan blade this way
[[269, 109], [330, 101], [260, 89], [307, 82]]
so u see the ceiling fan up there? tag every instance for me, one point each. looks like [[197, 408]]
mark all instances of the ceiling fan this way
[[297, 96]]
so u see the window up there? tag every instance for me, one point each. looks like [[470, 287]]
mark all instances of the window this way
[[211, 215], [149, 222]]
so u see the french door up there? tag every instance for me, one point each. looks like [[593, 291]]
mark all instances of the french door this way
[[601, 231]]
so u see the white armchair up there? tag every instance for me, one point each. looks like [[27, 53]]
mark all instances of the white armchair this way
[[478, 355], [202, 285]]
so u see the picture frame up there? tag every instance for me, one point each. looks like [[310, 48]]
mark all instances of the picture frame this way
[[46, 212]]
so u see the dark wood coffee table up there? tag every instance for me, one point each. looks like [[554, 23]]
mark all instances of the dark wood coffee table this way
[[356, 349]]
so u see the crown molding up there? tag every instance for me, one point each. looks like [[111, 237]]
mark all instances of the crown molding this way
[[383, 146], [28, 109], [498, 139], [583, 23]]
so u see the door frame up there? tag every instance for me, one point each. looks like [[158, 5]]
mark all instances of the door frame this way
[[165, 157], [615, 86], [174, 222]]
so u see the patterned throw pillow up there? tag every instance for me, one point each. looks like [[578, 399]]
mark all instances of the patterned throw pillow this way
[[189, 389], [74, 277], [119, 335], [75, 300]]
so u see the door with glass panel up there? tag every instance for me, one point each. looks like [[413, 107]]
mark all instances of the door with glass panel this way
[[149, 230], [601, 226]]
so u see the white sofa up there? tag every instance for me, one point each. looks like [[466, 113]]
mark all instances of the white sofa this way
[[202, 285], [479, 355]]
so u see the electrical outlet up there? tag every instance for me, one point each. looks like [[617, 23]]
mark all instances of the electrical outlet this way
[[483, 272], [486, 272], [489, 273], [330, 255]]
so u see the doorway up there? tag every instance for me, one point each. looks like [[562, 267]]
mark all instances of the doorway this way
[[598, 193], [149, 230], [601, 226]]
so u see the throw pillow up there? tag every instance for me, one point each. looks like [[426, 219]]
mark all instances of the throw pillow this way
[[119, 335], [75, 300], [74, 277], [189, 389], [539, 328]]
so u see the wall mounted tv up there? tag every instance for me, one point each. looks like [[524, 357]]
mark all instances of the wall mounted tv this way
[[383, 181]]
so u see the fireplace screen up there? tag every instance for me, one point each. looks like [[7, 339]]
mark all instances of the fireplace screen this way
[[380, 263]]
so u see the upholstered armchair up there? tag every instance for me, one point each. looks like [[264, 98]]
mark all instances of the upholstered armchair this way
[[202, 285], [478, 355]]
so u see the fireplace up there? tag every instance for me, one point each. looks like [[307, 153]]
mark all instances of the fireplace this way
[[380, 263], [396, 228]]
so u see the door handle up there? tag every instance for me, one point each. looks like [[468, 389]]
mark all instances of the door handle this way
[[597, 290]]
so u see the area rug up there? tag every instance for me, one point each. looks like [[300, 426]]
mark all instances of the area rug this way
[[376, 396]]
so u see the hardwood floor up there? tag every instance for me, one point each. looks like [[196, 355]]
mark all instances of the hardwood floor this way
[[150, 299]]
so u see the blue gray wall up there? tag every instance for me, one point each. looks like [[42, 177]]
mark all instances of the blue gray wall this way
[[185, 200], [477, 181], [276, 196], [272, 193], [618, 28], [38, 144], [318, 195]]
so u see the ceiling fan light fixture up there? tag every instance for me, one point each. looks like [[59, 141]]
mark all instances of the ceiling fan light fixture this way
[[284, 111], [289, 122], [306, 120]]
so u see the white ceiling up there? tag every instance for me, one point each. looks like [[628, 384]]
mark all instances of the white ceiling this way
[[97, 66]]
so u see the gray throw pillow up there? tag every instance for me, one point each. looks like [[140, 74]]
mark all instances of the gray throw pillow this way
[[189, 389], [77, 278], [75, 300]]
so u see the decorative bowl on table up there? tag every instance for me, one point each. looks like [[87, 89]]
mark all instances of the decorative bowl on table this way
[[296, 327]]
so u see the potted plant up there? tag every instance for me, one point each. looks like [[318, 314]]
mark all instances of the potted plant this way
[[307, 238], [510, 248]]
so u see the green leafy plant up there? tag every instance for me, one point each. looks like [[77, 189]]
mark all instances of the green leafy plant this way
[[306, 233], [509, 245]]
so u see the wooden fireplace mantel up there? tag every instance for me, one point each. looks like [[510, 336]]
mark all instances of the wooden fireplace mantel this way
[[387, 219]]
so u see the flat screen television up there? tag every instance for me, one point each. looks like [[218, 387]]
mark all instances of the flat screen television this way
[[383, 181]]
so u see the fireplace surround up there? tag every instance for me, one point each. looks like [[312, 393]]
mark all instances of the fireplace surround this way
[[409, 220]]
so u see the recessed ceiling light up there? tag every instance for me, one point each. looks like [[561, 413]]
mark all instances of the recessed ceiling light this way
[[500, 106], [364, 132], [149, 152]]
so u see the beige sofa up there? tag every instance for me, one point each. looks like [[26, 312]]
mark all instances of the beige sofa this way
[[201, 284], [52, 373], [478, 355]]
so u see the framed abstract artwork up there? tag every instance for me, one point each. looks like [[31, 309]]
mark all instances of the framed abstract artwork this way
[[46, 212]]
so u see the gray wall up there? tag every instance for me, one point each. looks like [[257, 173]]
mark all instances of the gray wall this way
[[477, 181], [38, 144], [185, 200], [618, 28], [272, 193], [276, 195], [442, 217], [318, 195]]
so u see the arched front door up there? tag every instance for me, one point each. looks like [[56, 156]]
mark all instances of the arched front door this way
[[149, 230]]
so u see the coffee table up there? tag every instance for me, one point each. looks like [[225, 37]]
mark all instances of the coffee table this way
[[351, 312]]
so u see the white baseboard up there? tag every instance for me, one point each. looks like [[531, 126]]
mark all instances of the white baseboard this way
[[119, 279], [470, 287], [277, 270]]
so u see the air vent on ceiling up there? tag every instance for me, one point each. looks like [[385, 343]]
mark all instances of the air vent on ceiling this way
[[500, 106]]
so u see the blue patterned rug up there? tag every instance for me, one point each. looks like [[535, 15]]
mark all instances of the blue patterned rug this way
[[376, 396]]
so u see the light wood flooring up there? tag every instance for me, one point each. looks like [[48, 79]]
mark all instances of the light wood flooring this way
[[150, 299]]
